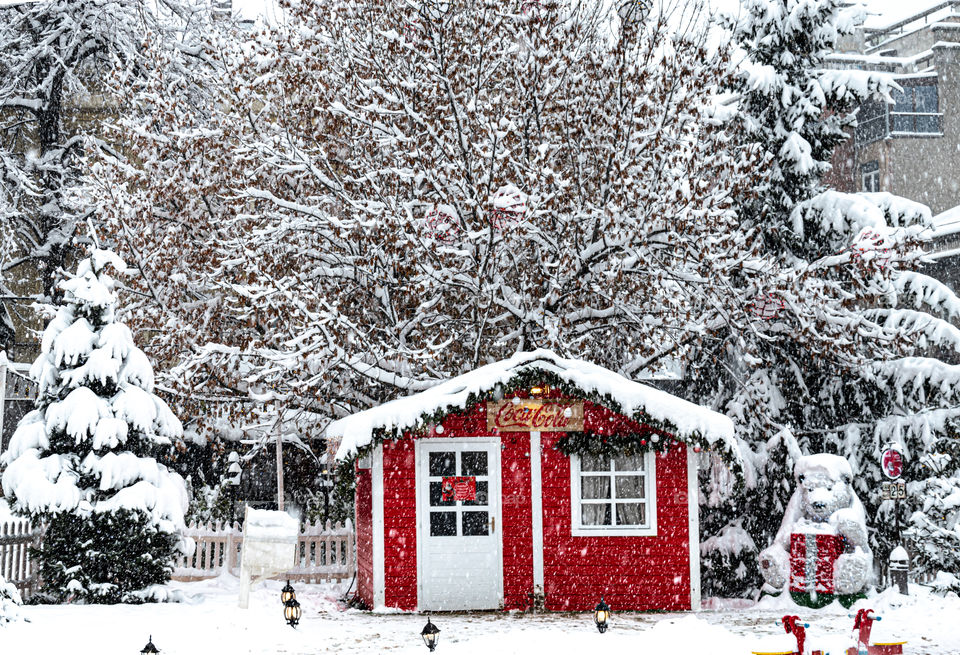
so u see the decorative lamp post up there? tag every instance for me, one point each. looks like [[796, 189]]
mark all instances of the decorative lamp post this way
[[601, 614], [149, 649], [287, 593], [430, 634], [292, 612]]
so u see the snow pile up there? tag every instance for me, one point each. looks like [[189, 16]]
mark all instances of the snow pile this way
[[356, 431]]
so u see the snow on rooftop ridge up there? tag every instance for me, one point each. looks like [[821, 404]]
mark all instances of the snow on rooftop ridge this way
[[357, 430], [887, 14]]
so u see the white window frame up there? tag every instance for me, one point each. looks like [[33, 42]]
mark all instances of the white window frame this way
[[650, 494], [870, 176]]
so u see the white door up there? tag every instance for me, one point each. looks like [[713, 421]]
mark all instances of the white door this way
[[459, 540]]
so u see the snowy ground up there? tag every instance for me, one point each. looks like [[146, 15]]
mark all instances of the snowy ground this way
[[211, 623]]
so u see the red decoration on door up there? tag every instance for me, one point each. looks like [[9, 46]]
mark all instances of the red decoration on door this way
[[459, 488]]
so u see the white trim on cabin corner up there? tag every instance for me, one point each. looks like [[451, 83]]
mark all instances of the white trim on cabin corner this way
[[693, 525], [536, 507], [376, 490]]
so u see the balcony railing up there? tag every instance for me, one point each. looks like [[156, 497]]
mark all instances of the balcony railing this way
[[898, 124]]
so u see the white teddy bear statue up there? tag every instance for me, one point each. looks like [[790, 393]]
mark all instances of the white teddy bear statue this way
[[821, 549]]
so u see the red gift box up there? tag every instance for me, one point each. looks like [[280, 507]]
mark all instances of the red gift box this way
[[812, 557]]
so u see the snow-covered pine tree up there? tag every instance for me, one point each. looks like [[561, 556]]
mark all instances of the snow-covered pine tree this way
[[848, 349], [86, 461]]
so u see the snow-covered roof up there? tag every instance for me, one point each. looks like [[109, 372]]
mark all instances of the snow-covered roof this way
[[947, 223], [635, 399]]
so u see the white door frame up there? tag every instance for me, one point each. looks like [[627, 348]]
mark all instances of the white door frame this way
[[496, 505]]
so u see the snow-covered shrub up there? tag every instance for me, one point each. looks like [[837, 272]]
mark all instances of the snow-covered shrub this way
[[728, 564], [86, 460], [9, 602]]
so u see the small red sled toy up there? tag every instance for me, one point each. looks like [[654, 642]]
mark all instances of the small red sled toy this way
[[862, 624], [799, 630]]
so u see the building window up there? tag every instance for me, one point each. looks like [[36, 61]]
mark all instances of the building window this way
[[870, 176], [613, 496], [915, 111], [871, 122]]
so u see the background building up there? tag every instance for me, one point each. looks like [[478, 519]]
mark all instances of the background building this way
[[910, 148]]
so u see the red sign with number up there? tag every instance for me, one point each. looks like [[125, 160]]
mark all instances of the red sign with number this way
[[892, 463], [459, 488]]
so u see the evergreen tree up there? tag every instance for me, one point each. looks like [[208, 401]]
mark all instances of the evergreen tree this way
[[850, 349], [85, 461]]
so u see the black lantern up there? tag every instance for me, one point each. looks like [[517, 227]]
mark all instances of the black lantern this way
[[149, 649], [292, 612], [287, 593], [430, 634], [601, 614]]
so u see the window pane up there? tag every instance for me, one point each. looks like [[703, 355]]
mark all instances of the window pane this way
[[594, 486], [482, 490], [870, 111], [473, 462], [902, 123], [631, 514], [926, 98], [903, 100], [436, 496], [443, 524], [927, 124], [594, 463], [475, 524], [629, 462], [443, 464], [595, 514], [630, 486]]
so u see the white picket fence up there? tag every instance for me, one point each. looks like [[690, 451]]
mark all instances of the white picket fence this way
[[16, 564], [324, 552]]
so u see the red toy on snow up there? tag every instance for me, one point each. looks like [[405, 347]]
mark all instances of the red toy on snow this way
[[793, 626], [862, 624]]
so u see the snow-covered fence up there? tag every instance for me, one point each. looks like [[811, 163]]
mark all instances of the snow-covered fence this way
[[16, 564], [324, 552]]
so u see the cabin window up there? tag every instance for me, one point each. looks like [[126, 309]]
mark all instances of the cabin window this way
[[613, 495]]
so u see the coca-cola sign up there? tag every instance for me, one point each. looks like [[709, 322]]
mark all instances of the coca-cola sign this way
[[535, 415]]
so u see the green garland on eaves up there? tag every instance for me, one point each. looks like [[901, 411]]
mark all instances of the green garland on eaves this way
[[612, 445], [575, 442]]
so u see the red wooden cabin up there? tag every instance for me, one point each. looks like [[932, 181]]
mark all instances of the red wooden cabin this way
[[466, 499]]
